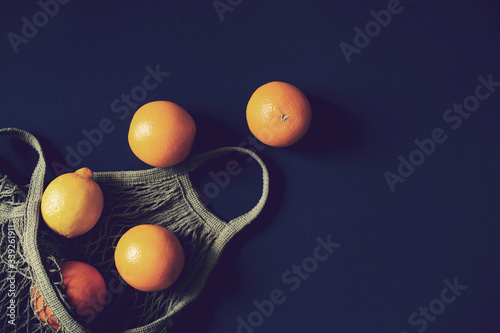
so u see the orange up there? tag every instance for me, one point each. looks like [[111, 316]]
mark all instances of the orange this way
[[46, 312], [84, 288], [278, 114], [72, 203], [149, 257], [161, 134]]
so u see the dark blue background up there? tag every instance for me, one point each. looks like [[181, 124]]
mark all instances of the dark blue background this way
[[397, 248]]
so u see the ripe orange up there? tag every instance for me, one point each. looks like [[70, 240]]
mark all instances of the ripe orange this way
[[84, 287], [161, 133], [43, 313], [278, 114], [72, 203], [149, 257]]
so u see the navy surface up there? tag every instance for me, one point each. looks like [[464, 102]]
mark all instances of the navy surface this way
[[384, 218]]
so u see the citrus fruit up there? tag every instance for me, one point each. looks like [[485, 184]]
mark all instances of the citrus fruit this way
[[44, 312], [72, 203], [149, 257], [161, 133], [84, 288], [278, 114]]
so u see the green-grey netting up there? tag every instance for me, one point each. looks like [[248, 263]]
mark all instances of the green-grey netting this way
[[162, 196]]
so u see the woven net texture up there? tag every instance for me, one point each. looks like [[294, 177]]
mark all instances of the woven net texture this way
[[126, 203]]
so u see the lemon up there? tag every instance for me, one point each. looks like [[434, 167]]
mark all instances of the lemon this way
[[72, 203]]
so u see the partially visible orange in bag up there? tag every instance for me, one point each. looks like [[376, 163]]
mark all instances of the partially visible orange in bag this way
[[84, 288]]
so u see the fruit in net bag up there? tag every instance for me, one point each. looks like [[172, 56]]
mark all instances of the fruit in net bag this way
[[84, 288], [72, 203], [149, 257]]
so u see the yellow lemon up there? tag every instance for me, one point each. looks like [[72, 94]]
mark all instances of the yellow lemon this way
[[72, 203]]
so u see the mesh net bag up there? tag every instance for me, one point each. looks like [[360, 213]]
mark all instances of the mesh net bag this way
[[31, 253]]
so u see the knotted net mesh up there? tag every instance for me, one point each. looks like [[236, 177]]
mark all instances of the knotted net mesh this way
[[128, 202], [31, 253]]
